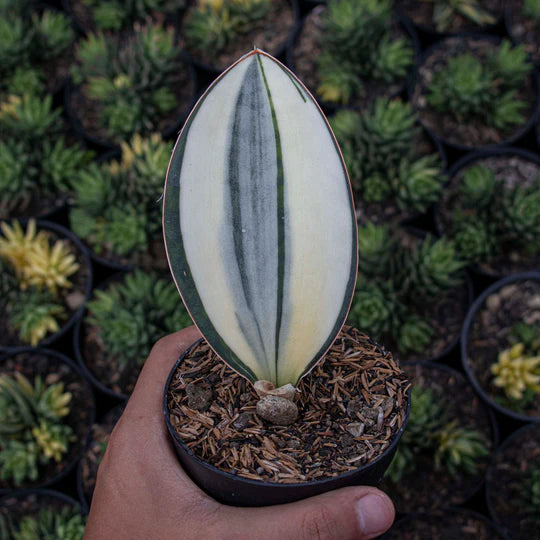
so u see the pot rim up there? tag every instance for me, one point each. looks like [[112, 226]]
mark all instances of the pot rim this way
[[89, 422], [477, 304], [256, 483], [521, 129], [42, 492], [65, 233]]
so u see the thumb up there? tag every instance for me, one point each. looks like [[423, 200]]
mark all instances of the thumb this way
[[350, 513]]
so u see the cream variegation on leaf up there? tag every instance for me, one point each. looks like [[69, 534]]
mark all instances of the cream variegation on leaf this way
[[259, 222]]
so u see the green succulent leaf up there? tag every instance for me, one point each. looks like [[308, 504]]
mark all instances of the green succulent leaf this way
[[242, 218]]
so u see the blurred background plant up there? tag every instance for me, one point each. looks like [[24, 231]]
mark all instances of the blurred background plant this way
[[49, 524], [382, 151], [118, 15], [33, 431], [116, 205], [130, 82], [34, 273], [398, 282], [431, 435], [468, 87], [38, 162], [32, 43], [358, 44], [490, 218], [131, 315]]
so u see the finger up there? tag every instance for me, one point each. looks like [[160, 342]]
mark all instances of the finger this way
[[349, 513], [147, 397]]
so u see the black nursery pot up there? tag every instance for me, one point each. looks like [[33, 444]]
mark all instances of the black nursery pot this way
[[237, 491], [520, 130], [47, 497], [84, 402], [479, 302], [61, 232], [465, 162]]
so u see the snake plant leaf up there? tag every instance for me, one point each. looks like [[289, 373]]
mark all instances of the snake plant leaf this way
[[259, 222]]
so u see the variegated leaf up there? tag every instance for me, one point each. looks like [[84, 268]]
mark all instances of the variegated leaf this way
[[259, 222]]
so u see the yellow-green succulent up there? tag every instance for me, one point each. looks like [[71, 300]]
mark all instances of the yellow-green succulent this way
[[517, 372]]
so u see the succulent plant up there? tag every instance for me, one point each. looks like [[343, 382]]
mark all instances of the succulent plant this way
[[531, 9], [115, 15], [459, 449], [212, 25], [397, 282], [533, 486], [129, 80], [358, 45], [445, 11], [453, 448], [379, 150], [516, 372], [33, 271], [36, 159], [115, 204], [29, 43], [491, 219], [132, 315], [469, 87], [32, 431], [50, 524]]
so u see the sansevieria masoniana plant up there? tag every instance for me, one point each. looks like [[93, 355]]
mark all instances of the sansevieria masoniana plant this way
[[261, 238], [269, 272]]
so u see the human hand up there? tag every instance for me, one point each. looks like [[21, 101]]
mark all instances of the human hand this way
[[143, 492]]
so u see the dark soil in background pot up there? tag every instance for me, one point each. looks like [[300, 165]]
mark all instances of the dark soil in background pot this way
[[388, 211], [522, 29], [350, 407], [73, 299], [270, 35], [53, 367], [421, 14], [88, 466], [307, 47], [473, 133], [489, 334], [513, 168], [427, 487], [451, 524], [509, 484]]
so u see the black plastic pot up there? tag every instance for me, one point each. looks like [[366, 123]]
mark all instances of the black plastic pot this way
[[519, 132], [237, 491], [55, 498], [328, 107], [85, 260], [491, 474], [467, 161], [87, 403], [479, 302], [210, 72], [405, 526], [78, 334], [109, 144], [477, 486]]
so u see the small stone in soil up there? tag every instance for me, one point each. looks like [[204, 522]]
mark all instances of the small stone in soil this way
[[356, 429], [277, 410], [355, 405], [75, 300], [242, 421], [199, 396]]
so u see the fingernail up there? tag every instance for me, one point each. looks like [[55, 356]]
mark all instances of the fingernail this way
[[375, 514]]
